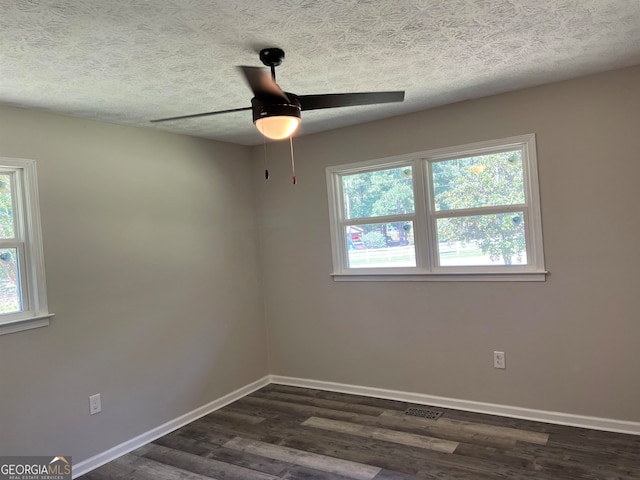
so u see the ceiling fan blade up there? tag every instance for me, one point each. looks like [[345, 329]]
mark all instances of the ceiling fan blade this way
[[333, 100], [195, 115], [261, 83]]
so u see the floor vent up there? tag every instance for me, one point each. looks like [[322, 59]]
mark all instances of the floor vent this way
[[424, 413]]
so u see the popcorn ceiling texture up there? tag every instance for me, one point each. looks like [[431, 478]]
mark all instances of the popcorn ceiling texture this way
[[130, 61]]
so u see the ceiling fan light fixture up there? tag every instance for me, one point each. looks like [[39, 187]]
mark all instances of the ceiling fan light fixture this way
[[276, 120], [277, 127]]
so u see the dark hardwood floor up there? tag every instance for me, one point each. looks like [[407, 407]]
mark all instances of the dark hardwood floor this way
[[294, 433]]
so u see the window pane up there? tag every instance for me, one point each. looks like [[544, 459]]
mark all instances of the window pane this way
[[380, 245], [7, 228], [374, 194], [482, 240], [481, 181], [10, 296]]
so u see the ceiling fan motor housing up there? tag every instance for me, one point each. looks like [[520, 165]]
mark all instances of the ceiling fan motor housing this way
[[272, 107]]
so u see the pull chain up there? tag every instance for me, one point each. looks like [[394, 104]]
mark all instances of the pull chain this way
[[293, 163], [266, 170]]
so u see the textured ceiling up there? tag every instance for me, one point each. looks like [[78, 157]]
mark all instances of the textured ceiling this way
[[130, 61]]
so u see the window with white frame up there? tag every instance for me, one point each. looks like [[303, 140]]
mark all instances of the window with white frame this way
[[462, 213], [23, 300]]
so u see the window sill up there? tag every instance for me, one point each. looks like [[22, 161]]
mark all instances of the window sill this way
[[14, 326], [441, 277]]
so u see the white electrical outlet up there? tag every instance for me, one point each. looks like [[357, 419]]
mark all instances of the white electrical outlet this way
[[499, 360], [95, 405]]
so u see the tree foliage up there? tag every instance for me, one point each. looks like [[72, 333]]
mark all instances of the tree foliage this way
[[487, 180], [374, 240], [383, 192], [8, 271], [6, 208], [379, 193]]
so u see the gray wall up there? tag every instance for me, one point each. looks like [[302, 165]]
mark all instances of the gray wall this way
[[152, 271], [571, 342]]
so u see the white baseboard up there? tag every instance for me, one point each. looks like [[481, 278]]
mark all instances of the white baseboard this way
[[126, 447], [596, 423]]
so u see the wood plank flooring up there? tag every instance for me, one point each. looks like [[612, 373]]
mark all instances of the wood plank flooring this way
[[282, 432]]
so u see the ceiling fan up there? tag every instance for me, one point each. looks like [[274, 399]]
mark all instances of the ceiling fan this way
[[276, 113]]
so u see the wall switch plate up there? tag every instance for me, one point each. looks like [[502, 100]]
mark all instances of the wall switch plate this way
[[499, 360], [95, 405]]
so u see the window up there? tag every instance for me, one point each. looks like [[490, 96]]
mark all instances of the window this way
[[23, 301], [462, 213]]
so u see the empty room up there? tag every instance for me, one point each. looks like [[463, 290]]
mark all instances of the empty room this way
[[304, 240]]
